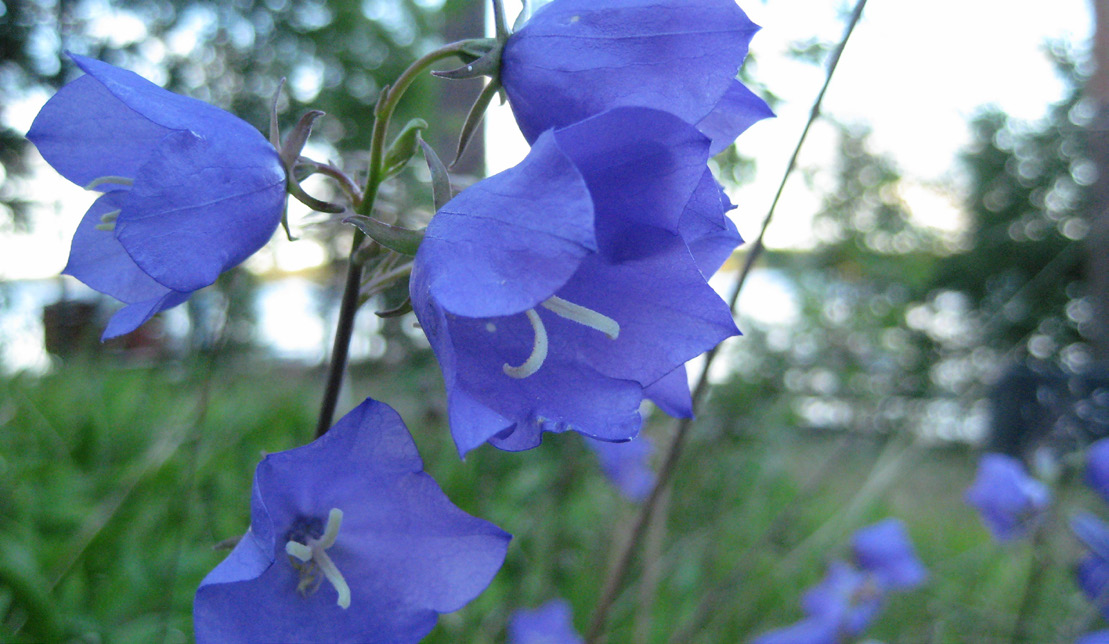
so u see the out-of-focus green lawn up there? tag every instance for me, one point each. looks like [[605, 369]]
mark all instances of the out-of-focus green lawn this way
[[116, 482]]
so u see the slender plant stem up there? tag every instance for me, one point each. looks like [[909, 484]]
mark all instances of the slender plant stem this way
[[350, 302], [619, 572]]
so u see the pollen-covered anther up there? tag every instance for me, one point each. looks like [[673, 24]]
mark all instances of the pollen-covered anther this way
[[538, 349], [99, 181], [314, 552], [582, 315]]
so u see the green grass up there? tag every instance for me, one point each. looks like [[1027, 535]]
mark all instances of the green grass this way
[[116, 482]]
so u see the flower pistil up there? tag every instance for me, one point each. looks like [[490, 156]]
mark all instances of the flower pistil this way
[[314, 552], [564, 309]]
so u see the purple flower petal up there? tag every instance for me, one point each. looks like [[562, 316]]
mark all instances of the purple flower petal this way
[[403, 550], [737, 110], [515, 237], [807, 631], [551, 623], [706, 229], [1008, 500], [671, 393], [578, 58], [846, 597]]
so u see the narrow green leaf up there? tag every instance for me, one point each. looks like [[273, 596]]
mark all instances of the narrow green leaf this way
[[473, 119], [403, 147], [440, 178], [401, 240], [396, 312]]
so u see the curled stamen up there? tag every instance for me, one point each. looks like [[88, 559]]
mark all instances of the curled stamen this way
[[581, 315], [538, 350], [123, 181], [315, 552]]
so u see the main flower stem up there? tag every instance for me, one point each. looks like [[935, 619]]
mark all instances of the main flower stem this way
[[348, 307], [619, 571]]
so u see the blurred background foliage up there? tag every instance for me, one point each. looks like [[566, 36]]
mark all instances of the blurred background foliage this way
[[121, 466]]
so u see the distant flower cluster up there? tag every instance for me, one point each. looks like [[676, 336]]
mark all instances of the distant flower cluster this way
[[851, 594]]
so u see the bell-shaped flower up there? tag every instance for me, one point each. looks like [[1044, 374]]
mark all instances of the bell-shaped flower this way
[[1007, 498], [1092, 571], [551, 623], [884, 551], [349, 541], [560, 293], [578, 58], [189, 189]]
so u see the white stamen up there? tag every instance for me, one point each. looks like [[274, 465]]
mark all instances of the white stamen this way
[[315, 551], [538, 350], [582, 315], [123, 181]]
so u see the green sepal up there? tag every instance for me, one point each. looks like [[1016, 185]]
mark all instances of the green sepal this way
[[401, 240], [488, 65], [403, 148], [440, 178], [473, 119], [397, 311]]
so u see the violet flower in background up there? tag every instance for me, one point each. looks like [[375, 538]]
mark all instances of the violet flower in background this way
[[1092, 572], [1097, 468], [189, 189], [884, 551], [551, 623], [575, 59], [560, 293], [1097, 637], [349, 541], [850, 596], [627, 465], [1007, 498]]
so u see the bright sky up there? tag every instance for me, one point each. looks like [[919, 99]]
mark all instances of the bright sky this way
[[914, 70]]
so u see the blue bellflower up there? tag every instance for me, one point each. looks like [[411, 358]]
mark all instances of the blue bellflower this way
[[558, 294], [349, 541], [578, 58], [1097, 468], [189, 190], [884, 551], [850, 596], [1007, 498], [551, 623], [1092, 571]]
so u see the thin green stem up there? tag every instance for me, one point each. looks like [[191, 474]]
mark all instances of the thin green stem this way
[[619, 572], [350, 302]]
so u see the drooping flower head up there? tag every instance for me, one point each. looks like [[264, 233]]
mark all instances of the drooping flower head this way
[[189, 189], [560, 293], [551, 623], [1097, 468], [578, 58], [1007, 498], [349, 541], [627, 465]]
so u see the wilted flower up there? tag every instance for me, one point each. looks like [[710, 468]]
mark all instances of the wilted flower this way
[[627, 465], [350, 541], [560, 293], [1008, 499], [578, 58], [189, 189], [551, 623]]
